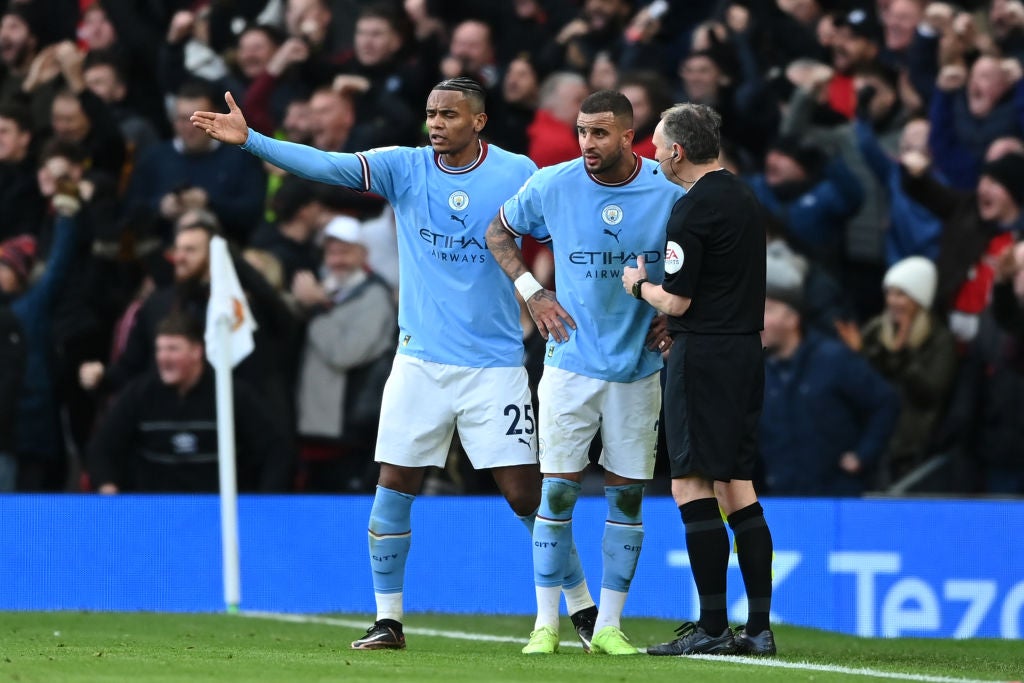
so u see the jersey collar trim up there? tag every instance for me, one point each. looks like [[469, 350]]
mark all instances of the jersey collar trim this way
[[632, 176], [481, 155]]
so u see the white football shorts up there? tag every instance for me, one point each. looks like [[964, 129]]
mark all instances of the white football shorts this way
[[424, 401], [573, 407]]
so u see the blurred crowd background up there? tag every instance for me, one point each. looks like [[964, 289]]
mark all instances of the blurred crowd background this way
[[883, 139]]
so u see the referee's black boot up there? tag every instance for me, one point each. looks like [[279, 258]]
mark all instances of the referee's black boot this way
[[761, 645], [694, 640]]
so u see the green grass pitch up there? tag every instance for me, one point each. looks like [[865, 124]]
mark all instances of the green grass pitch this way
[[54, 647]]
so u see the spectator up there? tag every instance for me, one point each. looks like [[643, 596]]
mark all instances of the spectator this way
[[915, 352], [380, 54], [827, 414], [19, 45], [529, 27], [553, 131], [826, 308], [279, 84], [599, 27], [603, 73], [1006, 21], [913, 230], [83, 119], [725, 75], [984, 416], [472, 54], [335, 350], [812, 197], [969, 112], [880, 111], [332, 118], [193, 171], [510, 116], [12, 363], [977, 227], [186, 55], [266, 368], [22, 205], [900, 20], [857, 41], [103, 76], [37, 441], [300, 216], [160, 435], [131, 31], [649, 94]]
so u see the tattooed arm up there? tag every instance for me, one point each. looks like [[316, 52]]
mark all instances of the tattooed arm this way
[[547, 313]]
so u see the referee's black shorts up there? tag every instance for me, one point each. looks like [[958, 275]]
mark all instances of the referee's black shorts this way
[[714, 391]]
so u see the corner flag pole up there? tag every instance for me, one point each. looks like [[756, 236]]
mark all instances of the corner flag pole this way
[[226, 461]]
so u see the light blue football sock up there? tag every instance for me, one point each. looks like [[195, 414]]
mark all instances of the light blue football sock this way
[[552, 531], [623, 535], [390, 535], [574, 568]]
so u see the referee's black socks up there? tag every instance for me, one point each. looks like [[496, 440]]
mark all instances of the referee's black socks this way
[[754, 547], [707, 544]]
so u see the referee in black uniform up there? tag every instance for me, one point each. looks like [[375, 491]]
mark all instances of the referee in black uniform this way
[[713, 294]]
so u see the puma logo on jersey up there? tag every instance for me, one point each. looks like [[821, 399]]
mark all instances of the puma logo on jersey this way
[[613, 234], [461, 220]]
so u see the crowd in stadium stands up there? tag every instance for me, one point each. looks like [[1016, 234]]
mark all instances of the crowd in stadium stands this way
[[882, 137]]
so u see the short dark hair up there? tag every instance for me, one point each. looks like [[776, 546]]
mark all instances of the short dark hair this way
[[382, 9], [105, 57], [196, 89], [470, 89], [695, 128], [292, 196], [180, 324], [71, 151], [609, 101], [273, 34], [882, 72], [657, 89], [19, 113]]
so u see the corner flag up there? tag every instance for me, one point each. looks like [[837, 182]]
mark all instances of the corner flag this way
[[227, 301], [229, 328]]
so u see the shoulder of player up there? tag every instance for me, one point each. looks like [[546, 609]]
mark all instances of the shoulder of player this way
[[512, 159], [396, 151], [566, 171]]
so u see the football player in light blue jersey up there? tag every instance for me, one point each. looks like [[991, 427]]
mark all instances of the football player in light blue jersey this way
[[460, 349], [600, 213]]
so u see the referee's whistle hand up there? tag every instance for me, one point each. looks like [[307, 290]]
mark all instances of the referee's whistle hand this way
[[631, 275]]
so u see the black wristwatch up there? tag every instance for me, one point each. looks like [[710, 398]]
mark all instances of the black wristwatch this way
[[638, 287]]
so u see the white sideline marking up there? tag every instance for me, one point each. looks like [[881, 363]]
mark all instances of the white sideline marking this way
[[416, 631], [750, 661]]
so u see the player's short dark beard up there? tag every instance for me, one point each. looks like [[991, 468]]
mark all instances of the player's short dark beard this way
[[609, 164]]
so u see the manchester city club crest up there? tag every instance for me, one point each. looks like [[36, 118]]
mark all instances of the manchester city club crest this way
[[458, 201], [612, 214]]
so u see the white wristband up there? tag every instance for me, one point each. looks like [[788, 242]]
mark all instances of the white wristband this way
[[527, 285]]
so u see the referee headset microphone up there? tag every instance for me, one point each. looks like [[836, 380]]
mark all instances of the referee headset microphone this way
[[674, 155]]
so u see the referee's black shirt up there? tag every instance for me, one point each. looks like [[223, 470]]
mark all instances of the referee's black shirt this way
[[715, 255]]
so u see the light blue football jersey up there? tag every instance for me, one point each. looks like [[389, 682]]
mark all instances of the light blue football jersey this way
[[456, 306], [595, 230]]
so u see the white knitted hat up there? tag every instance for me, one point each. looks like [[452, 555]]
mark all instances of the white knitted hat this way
[[916, 276]]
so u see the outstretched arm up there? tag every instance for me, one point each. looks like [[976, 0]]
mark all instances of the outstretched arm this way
[[301, 160], [547, 313]]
